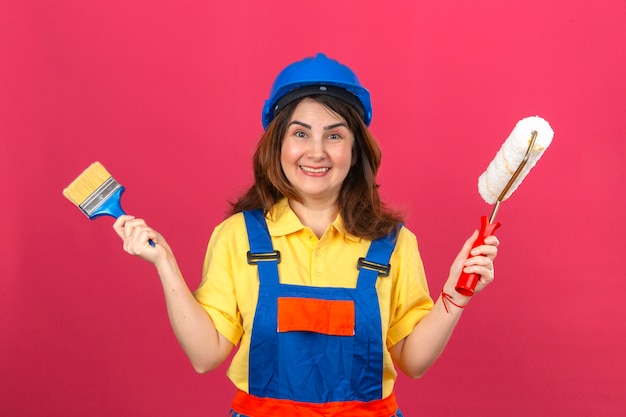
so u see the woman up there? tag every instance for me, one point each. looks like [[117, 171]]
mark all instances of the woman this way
[[318, 283]]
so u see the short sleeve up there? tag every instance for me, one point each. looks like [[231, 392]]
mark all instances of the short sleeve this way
[[216, 292], [410, 298]]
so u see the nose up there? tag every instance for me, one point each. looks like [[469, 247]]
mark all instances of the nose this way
[[316, 149]]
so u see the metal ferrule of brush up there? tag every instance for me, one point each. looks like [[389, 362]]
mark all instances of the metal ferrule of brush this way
[[105, 201]]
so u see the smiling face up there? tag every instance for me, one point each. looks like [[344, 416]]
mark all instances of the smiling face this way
[[316, 152]]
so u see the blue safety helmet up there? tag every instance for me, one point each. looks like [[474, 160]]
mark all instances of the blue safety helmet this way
[[317, 75]]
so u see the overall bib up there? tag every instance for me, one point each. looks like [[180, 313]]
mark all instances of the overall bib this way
[[315, 351]]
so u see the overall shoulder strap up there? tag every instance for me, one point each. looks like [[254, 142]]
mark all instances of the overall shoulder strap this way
[[376, 262], [261, 251]]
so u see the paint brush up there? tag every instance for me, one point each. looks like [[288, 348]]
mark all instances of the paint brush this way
[[96, 193], [519, 153]]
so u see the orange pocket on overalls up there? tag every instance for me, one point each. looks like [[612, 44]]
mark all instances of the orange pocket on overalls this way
[[331, 317]]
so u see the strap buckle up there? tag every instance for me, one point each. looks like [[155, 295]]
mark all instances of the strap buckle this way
[[255, 258], [383, 270]]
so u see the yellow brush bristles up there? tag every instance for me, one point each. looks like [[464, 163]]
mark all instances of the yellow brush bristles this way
[[86, 183]]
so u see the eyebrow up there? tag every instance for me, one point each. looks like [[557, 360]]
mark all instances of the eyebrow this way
[[297, 122]]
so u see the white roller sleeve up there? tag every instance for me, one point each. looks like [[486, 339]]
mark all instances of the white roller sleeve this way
[[493, 181]]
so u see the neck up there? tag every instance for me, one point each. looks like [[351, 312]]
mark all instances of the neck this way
[[315, 216]]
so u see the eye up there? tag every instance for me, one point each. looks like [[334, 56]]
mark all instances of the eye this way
[[299, 134], [334, 136]]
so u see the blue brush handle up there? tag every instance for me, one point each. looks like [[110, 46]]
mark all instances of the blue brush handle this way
[[112, 206]]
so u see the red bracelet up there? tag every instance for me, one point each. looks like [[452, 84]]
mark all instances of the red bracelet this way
[[447, 297]]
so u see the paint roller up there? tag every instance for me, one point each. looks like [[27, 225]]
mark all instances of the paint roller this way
[[518, 154]]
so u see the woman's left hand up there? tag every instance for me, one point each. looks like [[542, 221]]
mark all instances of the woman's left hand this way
[[478, 260]]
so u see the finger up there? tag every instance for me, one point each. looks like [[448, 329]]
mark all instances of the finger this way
[[140, 236], [486, 275], [145, 236], [487, 278], [485, 250], [459, 262], [467, 247], [492, 241], [488, 252], [119, 223], [133, 225], [480, 260]]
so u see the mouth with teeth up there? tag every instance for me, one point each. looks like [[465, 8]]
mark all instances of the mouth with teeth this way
[[311, 170]]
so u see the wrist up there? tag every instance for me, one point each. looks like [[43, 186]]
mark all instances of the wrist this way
[[452, 299], [450, 289], [166, 263]]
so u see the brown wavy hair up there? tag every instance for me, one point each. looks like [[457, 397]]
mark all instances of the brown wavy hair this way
[[363, 212]]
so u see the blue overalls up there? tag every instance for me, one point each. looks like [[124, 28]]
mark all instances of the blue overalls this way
[[315, 348]]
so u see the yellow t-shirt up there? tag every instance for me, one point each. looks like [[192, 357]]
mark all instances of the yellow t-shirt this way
[[229, 287]]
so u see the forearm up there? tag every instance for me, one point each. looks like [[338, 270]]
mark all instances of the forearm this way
[[193, 327], [420, 349]]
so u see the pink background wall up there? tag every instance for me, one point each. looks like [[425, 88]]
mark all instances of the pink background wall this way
[[168, 94]]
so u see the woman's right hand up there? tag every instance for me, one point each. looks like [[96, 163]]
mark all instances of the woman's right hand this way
[[136, 235]]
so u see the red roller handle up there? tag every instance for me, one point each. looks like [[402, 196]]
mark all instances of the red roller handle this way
[[467, 282]]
